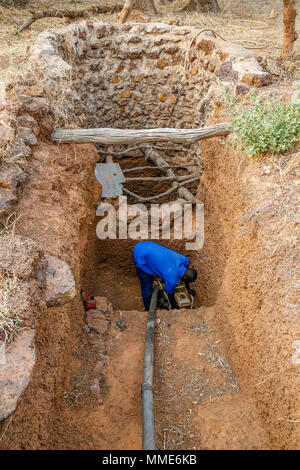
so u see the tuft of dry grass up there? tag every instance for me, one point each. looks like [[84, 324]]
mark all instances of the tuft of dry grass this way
[[7, 226], [6, 141], [201, 327], [5, 151], [9, 320]]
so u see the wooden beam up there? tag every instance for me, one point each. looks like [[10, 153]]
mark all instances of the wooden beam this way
[[109, 136], [139, 168], [176, 187], [164, 178], [158, 161]]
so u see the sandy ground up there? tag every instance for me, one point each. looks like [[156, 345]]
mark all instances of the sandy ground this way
[[198, 400], [242, 21]]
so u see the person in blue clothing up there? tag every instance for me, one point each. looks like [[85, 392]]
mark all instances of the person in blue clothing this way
[[152, 259]]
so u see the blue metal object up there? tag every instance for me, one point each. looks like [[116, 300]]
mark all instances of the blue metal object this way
[[111, 177]]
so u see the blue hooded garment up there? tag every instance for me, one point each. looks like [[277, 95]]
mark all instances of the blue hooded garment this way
[[158, 260]]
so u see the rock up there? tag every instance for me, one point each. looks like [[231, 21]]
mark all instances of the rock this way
[[11, 178], [28, 121], [250, 72], [60, 286], [19, 255], [241, 89], [97, 322], [257, 80], [226, 72], [162, 63], [6, 134], [34, 105], [20, 150], [194, 69], [28, 136], [7, 202], [15, 373], [125, 94], [104, 305], [27, 301]]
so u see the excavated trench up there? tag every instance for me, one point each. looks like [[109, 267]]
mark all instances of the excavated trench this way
[[218, 368]]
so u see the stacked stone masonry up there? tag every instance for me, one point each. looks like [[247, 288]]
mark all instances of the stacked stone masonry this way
[[132, 75]]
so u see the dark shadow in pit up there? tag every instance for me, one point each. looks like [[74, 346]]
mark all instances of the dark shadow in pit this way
[[110, 272]]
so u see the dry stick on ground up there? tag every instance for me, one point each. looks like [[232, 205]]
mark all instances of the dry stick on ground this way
[[289, 20], [130, 5], [72, 14]]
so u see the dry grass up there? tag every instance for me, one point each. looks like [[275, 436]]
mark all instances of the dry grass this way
[[9, 320], [5, 152], [238, 21], [6, 141], [8, 226], [201, 327]]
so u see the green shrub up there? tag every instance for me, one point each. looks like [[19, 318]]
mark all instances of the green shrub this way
[[264, 126]]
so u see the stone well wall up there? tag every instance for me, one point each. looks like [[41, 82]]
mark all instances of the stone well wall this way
[[133, 75]]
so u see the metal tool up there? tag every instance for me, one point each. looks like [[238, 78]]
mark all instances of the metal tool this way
[[182, 297], [111, 177]]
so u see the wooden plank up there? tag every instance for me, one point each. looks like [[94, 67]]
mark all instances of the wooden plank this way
[[164, 178], [109, 136]]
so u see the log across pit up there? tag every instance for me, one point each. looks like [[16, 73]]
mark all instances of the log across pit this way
[[129, 136]]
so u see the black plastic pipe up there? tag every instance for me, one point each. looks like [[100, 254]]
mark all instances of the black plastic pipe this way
[[147, 386]]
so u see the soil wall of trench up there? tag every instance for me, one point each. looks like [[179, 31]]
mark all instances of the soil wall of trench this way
[[248, 260]]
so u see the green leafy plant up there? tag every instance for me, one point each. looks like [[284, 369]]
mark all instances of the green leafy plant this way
[[264, 126]]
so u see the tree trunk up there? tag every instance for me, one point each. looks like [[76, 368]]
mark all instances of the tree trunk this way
[[206, 6], [135, 4], [289, 20]]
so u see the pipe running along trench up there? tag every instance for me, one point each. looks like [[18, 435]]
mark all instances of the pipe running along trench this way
[[147, 386]]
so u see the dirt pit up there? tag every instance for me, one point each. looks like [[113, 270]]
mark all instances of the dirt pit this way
[[224, 375]]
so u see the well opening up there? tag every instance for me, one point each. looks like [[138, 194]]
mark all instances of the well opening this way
[[101, 75], [105, 76], [98, 75]]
